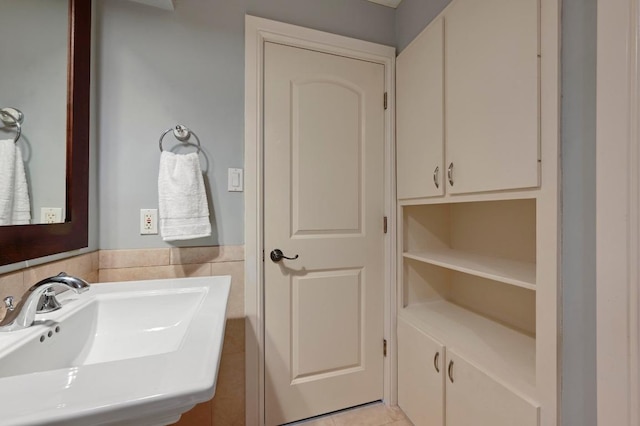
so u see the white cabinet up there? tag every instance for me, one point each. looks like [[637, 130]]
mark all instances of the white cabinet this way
[[492, 103], [419, 115], [421, 366], [438, 387], [468, 100], [475, 398], [468, 282], [478, 216]]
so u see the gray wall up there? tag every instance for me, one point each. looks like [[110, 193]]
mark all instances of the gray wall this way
[[578, 191], [579, 215], [412, 16], [159, 68]]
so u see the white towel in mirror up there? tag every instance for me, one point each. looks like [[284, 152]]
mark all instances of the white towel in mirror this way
[[15, 208]]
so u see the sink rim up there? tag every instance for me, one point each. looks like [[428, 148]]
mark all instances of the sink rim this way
[[174, 380]]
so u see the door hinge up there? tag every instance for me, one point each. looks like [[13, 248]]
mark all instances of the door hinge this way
[[384, 347], [384, 224], [385, 100], [263, 255]]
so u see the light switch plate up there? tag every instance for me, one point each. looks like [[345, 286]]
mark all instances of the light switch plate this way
[[236, 180]]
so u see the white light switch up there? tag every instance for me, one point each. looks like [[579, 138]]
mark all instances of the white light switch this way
[[235, 180]]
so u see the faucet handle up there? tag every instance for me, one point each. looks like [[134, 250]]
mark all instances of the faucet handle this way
[[48, 302], [8, 303]]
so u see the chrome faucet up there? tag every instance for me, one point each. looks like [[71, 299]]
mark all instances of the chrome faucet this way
[[40, 298]]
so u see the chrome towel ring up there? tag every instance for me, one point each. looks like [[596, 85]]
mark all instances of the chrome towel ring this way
[[183, 134], [12, 117]]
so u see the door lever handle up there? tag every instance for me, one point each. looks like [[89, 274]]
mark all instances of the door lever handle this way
[[277, 255]]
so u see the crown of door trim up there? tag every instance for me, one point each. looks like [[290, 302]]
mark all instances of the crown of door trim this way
[[257, 32]]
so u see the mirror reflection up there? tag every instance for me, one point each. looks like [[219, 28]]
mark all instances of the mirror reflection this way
[[33, 80]]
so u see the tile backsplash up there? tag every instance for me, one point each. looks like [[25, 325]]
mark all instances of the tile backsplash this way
[[227, 407]]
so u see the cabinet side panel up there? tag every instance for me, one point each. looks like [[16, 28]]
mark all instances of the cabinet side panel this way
[[424, 283], [426, 227]]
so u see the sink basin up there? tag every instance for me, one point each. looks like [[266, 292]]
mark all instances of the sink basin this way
[[131, 353]]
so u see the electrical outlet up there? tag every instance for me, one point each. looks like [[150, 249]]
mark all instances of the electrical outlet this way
[[148, 221], [51, 215]]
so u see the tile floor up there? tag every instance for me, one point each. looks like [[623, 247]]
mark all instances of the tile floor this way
[[374, 414]]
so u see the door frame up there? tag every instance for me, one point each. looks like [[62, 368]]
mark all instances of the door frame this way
[[257, 32], [618, 212]]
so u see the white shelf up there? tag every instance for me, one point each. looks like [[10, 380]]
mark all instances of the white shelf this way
[[521, 274], [500, 351]]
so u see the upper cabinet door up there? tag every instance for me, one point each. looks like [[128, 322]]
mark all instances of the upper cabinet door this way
[[492, 106], [420, 125]]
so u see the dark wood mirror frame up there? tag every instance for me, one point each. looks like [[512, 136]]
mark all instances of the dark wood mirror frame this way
[[23, 242]]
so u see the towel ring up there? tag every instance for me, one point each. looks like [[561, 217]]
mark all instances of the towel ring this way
[[182, 133], [10, 120]]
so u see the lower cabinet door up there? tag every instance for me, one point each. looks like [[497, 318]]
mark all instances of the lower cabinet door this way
[[421, 365], [474, 398]]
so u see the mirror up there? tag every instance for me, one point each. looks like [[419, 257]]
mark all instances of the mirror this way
[[34, 38], [23, 242]]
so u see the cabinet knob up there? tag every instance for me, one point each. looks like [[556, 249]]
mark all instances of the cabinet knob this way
[[450, 371], [436, 361], [450, 174], [436, 177]]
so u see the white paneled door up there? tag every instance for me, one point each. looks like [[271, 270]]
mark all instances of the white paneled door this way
[[323, 202]]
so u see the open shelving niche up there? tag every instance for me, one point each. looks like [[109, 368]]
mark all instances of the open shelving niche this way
[[468, 279]]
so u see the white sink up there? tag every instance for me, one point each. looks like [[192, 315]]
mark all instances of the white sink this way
[[130, 353]]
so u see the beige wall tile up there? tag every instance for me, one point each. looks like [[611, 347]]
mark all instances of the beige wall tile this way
[[154, 272], [91, 277], [182, 255], [235, 306], [112, 259], [228, 402], [200, 415], [40, 272], [234, 336], [95, 260], [80, 266]]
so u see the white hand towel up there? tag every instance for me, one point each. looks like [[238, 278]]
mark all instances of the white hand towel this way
[[21, 214], [184, 213], [15, 208]]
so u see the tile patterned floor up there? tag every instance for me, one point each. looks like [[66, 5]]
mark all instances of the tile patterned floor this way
[[375, 414]]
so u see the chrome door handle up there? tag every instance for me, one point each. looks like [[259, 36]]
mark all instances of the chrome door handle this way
[[436, 361], [450, 174], [450, 371], [277, 255], [436, 181]]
